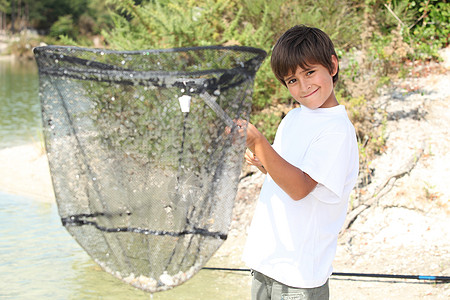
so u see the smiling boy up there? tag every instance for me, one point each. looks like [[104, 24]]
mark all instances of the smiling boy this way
[[311, 169]]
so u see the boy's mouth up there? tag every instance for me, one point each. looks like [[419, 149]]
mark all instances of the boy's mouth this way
[[313, 92]]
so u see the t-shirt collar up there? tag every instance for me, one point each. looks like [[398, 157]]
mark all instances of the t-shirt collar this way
[[334, 109]]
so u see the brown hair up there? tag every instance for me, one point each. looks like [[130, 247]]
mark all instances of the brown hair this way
[[300, 46]]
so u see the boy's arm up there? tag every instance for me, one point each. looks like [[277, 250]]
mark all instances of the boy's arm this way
[[296, 183], [262, 169]]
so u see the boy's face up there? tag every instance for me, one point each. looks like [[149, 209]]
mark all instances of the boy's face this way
[[313, 87]]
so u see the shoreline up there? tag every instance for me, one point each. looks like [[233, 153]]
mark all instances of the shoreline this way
[[24, 172], [8, 57]]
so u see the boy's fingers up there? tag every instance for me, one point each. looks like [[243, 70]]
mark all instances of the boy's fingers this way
[[249, 155], [251, 158], [240, 124]]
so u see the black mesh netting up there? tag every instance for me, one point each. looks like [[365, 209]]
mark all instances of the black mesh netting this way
[[144, 169]]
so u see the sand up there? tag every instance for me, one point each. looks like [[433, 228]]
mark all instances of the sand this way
[[24, 171]]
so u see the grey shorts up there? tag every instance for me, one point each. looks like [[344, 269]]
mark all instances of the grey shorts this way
[[266, 288]]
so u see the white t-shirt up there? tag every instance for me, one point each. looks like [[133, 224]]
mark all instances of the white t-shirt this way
[[294, 242]]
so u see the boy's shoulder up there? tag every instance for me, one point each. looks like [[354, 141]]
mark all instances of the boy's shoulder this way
[[322, 121], [295, 112], [336, 113]]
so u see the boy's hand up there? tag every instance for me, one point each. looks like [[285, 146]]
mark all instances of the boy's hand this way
[[289, 178], [251, 159], [253, 134]]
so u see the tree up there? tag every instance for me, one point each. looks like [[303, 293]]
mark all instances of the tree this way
[[4, 6], [4, 9]]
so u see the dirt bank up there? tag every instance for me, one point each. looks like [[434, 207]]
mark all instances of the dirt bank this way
[[405, 227]]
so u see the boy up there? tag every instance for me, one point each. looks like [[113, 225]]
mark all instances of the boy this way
[[311, 169]]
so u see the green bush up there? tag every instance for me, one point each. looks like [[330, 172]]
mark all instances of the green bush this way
[[432, 32], [64, 26], [254, 23]]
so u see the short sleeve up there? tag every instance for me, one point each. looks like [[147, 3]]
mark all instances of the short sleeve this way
[[327, 161]]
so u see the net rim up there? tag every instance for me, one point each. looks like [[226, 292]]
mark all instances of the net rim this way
[[260, 52], [99, 71]]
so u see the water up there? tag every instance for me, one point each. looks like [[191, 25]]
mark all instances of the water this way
[[38, 257], [40, 260], [20, 120]]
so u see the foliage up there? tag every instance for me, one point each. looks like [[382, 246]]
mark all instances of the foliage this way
[[43, 14], [373, 38], [432, 30], [403, 29], [4, 6], [64, 26], [255, 23]]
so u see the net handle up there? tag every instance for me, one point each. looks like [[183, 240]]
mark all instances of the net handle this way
[[211, 102]]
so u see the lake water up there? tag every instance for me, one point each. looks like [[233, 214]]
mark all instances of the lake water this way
[[20, 120], [38, 258]]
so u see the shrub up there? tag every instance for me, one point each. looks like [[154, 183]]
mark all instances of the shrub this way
[[64, 26]]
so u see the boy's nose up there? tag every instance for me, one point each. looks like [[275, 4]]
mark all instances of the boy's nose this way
[[306, 87]]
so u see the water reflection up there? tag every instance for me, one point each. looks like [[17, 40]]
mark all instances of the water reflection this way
[[20, 119]]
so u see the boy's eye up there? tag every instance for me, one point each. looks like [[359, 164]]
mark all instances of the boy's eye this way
[[291, 81], [310, 72]]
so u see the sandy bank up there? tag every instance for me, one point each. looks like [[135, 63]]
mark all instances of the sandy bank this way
[[24, 171], [7, 57]]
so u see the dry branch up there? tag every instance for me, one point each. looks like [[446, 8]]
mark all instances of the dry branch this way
[[383, 189]]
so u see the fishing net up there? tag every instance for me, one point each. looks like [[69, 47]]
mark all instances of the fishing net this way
[[144, 154]]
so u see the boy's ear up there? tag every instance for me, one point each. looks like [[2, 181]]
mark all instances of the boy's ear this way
[[335, 62]]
